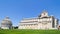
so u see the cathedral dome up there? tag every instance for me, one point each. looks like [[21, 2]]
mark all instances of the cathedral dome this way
[[44, 14]]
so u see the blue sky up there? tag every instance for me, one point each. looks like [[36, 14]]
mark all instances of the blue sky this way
[[19, 9]]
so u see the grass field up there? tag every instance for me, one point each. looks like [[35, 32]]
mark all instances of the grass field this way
[[29, 32]]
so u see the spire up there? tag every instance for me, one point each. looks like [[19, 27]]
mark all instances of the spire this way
[[44, 11], [7, 17]]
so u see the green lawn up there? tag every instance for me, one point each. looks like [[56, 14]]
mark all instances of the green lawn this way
[[29, 32]]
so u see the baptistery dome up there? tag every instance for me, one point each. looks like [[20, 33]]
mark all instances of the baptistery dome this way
[[6, 23]]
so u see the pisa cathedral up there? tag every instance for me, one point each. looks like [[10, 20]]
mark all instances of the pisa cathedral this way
[[43, 21]]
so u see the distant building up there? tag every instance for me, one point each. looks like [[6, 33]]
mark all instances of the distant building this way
[[43, 21], [6, 23]]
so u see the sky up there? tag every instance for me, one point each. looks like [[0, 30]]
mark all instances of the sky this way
[[19, 9]]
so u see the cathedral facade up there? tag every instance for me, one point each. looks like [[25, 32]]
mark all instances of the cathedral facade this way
[[43, 21]]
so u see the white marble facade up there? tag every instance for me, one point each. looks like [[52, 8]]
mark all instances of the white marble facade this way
[[43, 21]]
